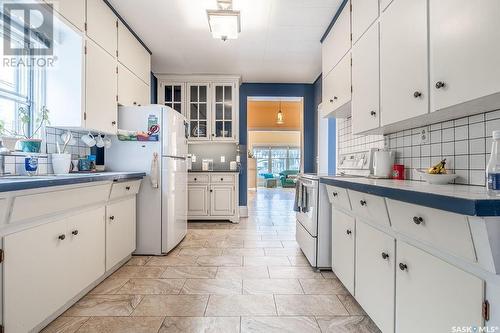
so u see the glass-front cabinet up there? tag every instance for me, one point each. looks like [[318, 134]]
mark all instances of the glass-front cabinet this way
[[199, 111], [174, 96], [224, 112]]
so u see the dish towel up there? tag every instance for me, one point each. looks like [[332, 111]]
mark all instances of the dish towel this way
[[154, 171], [298, 197]]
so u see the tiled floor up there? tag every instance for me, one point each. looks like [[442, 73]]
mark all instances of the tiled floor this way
[[247, 277]]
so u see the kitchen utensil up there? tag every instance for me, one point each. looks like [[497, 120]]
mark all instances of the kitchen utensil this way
[[99, 142], [382, 163], [398, 171], [61, 163], [67, 139], [89, 140], [437, 179]]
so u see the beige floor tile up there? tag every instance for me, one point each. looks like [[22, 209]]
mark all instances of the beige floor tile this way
[[138, 260], [104, 305], [352, 305], [212, 286], [172, 261], [323, 287], [309, 305], [138, 272], [243, 252], [200, 251], [290, 244], [228, 243], [172, 305], [122, 325], [152, 287], [266, 261], [279, 325], [289, 251], [299, 261], [195, 272], [263, 243], [347, 324], [200, 324], [241, 305], [239, 273], [272, 286], [329, 275], [219, 261], [193, 243], [277, 272], [109, 286], [65, 325]]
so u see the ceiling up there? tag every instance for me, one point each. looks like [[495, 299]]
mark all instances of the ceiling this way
[[279, 40], [262, 115]]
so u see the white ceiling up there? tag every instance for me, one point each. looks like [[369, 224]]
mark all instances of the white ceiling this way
[[279, 41]]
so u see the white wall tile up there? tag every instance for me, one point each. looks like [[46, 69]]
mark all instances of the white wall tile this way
[[461, 133], [461, 147], [476, 130]]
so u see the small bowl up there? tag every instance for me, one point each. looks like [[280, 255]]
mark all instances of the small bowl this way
[[437, 179]]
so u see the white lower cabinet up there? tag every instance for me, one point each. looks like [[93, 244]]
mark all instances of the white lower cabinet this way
[[375, 263], [221, 200], [343, 240], [434, 296], [197, 200], [46, 266], [120, 230]]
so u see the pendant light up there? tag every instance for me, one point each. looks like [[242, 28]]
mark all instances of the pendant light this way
[[279, 117]]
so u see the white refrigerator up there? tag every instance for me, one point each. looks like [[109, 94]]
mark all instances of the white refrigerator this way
[[162, 210]]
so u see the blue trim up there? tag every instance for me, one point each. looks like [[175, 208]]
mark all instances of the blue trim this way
[[332, 23], [154, 89], [471, 207], [318, 96], [332, 146], [278, 90], [128, 26]]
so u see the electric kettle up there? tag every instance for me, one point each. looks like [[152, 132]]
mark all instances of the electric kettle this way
[[383, 161]]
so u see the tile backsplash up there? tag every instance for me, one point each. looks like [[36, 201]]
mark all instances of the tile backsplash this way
[[214, 151], [78, 149], [464, 142]]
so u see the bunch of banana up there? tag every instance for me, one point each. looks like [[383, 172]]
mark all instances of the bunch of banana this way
[[438, 169]]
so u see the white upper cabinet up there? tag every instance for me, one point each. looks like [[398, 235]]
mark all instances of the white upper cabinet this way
[[384, 4], [464, 52], [102, 25], [133, 55], [223, 112], [132, 91], [403, 61], [364, 13], [337, 89], [337, 42], [72, 10], [199, 111], [365, 82]]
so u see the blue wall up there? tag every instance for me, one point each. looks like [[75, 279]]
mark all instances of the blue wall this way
[[154, 89], [332, 146], [278, 90]]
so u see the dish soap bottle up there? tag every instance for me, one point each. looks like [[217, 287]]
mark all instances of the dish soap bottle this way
[[493, 168]]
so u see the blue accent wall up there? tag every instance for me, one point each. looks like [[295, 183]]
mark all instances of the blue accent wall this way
[[317, 88], [278, 90], [332, 146], [154, 89]]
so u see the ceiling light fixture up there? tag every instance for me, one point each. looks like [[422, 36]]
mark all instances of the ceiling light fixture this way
[[279, 117], [224, 22]]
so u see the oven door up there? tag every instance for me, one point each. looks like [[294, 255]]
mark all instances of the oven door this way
[[308, 217]]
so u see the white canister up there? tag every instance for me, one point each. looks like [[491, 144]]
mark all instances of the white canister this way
[[61, 163], [233, 166]]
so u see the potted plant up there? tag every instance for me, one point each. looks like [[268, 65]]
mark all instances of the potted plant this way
[[28, 143]]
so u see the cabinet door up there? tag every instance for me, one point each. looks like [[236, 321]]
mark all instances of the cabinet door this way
[[464, 51], [338, 41], [133, 55], [337, 87], [222, 200], [35, 276], [364, 13], [172, 94], [365, 82], [131, 89], [426, 286], [86, 239], [101, 90], [224, 112], [403, 61], [101, 25], [199, 111], [120, 231], [343, 240], [375, 282], [198, 200], [73, 11]]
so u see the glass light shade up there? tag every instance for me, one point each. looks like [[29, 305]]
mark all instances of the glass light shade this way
[[224, 24], [279, 118]]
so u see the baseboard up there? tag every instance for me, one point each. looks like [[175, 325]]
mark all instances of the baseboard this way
[[243, 211]]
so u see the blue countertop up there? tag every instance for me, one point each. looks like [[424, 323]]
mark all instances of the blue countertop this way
[[17, 183], [460, 199]]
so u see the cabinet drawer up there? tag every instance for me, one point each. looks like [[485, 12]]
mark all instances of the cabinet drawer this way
[[370, 207], [447, 231], [123, 189], [338, 197], [201, 179], [221, 178]]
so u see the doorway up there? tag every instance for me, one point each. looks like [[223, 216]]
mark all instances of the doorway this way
[[275, 142]]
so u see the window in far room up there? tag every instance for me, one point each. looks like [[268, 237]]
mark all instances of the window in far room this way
[[276, 159]]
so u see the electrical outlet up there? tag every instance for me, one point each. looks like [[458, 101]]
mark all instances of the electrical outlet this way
[[223, 159], [424, 135]]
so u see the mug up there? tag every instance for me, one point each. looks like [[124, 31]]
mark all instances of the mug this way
[[107, 142], [99, 142], [398, 171], [89, 140]]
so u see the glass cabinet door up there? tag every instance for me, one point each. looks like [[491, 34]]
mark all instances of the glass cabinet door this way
[[198, 111], [224, 111], [174, 96]]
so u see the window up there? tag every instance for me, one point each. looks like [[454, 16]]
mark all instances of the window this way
[[276, 159]]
